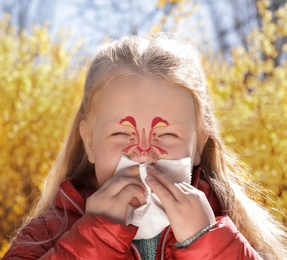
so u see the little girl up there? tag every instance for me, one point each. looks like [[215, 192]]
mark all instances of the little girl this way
[[146, 100]]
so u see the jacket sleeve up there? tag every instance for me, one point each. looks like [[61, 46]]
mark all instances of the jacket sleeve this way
[[91, 237], [222, 242]]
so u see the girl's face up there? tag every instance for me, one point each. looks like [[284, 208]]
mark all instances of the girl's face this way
[[142, 118]]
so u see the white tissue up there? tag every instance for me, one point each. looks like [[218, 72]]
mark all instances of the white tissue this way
[[150, 217]]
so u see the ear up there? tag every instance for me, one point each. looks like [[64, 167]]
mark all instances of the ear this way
[[88, 140], [202, 138]]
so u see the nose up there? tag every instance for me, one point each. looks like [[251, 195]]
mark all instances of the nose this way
[[143, 145], [144, 151]]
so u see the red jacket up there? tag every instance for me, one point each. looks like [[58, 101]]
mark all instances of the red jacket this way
[[96, 237]]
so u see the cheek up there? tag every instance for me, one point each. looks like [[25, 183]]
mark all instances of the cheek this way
[[106, 161], [177, 152], [105, 168], [176, 149]]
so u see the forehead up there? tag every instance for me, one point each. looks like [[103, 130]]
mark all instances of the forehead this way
[[143, 98]]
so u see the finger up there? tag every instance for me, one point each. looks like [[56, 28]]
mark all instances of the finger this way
[[130, 192], [121, 182], [132, 171], [165, 196], [165, 181], [135, 202], [193, 192], [187, 187]]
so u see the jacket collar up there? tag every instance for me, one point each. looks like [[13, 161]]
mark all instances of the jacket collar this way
[[71, 199], [208, 191]]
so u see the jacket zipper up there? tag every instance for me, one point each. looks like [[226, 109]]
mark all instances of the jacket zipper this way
[[163, 244], [77, 207], [137, 251]]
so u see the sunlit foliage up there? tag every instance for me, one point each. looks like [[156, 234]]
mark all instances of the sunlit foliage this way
[[250, 98], [39, 89], [173, 13]]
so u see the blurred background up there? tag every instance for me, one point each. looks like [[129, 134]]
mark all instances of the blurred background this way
[[47, 46]]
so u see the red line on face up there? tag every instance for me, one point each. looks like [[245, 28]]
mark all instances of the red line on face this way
[[145, 148], [129, 121], [162, 152], [129, 149], [158, 121], [157, 151]]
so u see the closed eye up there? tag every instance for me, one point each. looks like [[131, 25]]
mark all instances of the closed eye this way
[[120, 133], [168, 134]]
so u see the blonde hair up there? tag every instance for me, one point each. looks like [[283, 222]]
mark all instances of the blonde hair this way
[[177, 64]]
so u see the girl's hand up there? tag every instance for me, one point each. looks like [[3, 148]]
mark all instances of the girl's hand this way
[[113, 198], [187, 208]]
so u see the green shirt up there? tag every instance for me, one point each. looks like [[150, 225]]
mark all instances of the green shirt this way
[[148, 247]]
